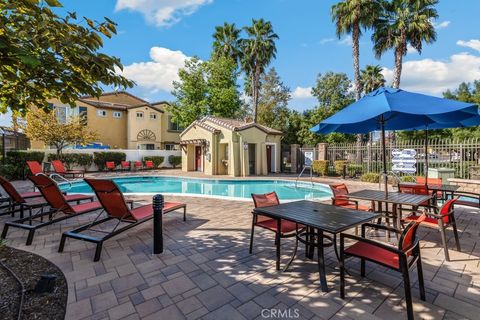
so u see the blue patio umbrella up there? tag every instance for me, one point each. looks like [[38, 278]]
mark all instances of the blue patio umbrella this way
[[396, 109]]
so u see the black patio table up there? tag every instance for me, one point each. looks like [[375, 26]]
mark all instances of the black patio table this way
[[394, 198], [321, 218], [446, 189]]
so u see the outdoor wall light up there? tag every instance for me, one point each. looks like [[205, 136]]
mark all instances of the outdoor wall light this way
[[245, 145]]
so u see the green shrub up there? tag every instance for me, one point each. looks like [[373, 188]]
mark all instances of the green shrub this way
[[70, 160], [407, 179], [320, 167], [99, 158], [157, 160], [175, 160], [18, 159], [7, 171], [370, 177], [339, 164], [354, 169]]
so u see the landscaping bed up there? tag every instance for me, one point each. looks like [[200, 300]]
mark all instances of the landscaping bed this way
[[29, 267]]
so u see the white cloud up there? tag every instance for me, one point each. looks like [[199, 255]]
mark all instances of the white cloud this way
[[411, 50], [441, 25], [326, 40], [302, 93], [435, 76], [159, 73], [162, 13], [473, 44], [346, 41]]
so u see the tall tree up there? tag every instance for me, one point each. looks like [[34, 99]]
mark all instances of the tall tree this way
[[190, 93], [350, 16], [45, 126], [371, 78], [45, 56], [227, 42], [273, 100], [258, 51], [403, 23], [332, 91], [222, 89]]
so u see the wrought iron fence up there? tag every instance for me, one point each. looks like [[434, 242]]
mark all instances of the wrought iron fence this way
[[365, 157], [11, 140]]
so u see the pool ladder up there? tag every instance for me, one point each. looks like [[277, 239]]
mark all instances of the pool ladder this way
[[55, 176], [300, 175]]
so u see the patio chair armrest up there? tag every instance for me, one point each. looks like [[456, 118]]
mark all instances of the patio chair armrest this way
[[369, 241], [379, 226], [355, 202]]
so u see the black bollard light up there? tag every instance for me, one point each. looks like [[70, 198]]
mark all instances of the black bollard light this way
[[158, 224], [46, 283]]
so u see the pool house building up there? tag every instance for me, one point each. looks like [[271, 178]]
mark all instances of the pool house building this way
[[219, 146]]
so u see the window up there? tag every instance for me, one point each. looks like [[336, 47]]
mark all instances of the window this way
[[117, 114], [139, 115], [153, 116], [174, 125], [171, 146], [82, 113], [61, 113], [102, 113]]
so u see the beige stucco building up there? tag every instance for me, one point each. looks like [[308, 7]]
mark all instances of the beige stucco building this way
[[123, 121], [218, 146]]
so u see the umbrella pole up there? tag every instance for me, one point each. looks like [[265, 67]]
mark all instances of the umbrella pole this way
[[426, 156], [384, 148]]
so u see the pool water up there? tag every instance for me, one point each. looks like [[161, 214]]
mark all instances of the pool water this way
[[243, 189]]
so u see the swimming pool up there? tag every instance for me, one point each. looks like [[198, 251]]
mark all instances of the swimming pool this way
[[240, 189]]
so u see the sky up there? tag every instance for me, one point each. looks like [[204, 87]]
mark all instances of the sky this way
[[156, 36]]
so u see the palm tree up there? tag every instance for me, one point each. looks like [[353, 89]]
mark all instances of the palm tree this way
[[350, 16], [258, 51], [227, 41], [403, 23], [371, 78]]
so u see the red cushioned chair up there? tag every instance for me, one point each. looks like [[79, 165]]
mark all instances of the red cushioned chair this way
[[401, 258], [125, 165], [114, 204], [149, 165], [60, 209], [34, 167], [432, 181], [60, 169], [110, 165], [441, 220], [287, 228], [339, 191]]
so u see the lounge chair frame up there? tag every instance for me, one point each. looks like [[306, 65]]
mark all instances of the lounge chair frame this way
[[77, 232]]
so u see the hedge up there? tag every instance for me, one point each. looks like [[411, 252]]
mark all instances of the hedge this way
[[157, 160], [320, 167], [70, 160], [17, 161], [175, 160], [339, 164], [99, 158], [7, 171], [370, 177]]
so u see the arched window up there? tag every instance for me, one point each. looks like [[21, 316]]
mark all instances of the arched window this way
[[146, 134]]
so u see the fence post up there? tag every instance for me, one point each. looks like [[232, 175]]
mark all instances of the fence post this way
[[294, 150], [157, 224], [322, 151]]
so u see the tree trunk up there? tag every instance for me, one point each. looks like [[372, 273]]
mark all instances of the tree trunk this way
[[256, 90], [400, 51], [252, 84], [356, 78]]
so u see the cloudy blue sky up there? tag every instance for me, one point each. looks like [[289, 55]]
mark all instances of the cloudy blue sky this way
[[156, 36]]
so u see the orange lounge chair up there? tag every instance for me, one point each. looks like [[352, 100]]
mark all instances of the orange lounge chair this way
[[149, 165], [114, 204], [138, 165], [125, 165], [110, 165], [34, 167], [60, 208], [60, 169]]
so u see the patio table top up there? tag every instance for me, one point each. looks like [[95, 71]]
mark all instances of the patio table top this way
[[392, 197]]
